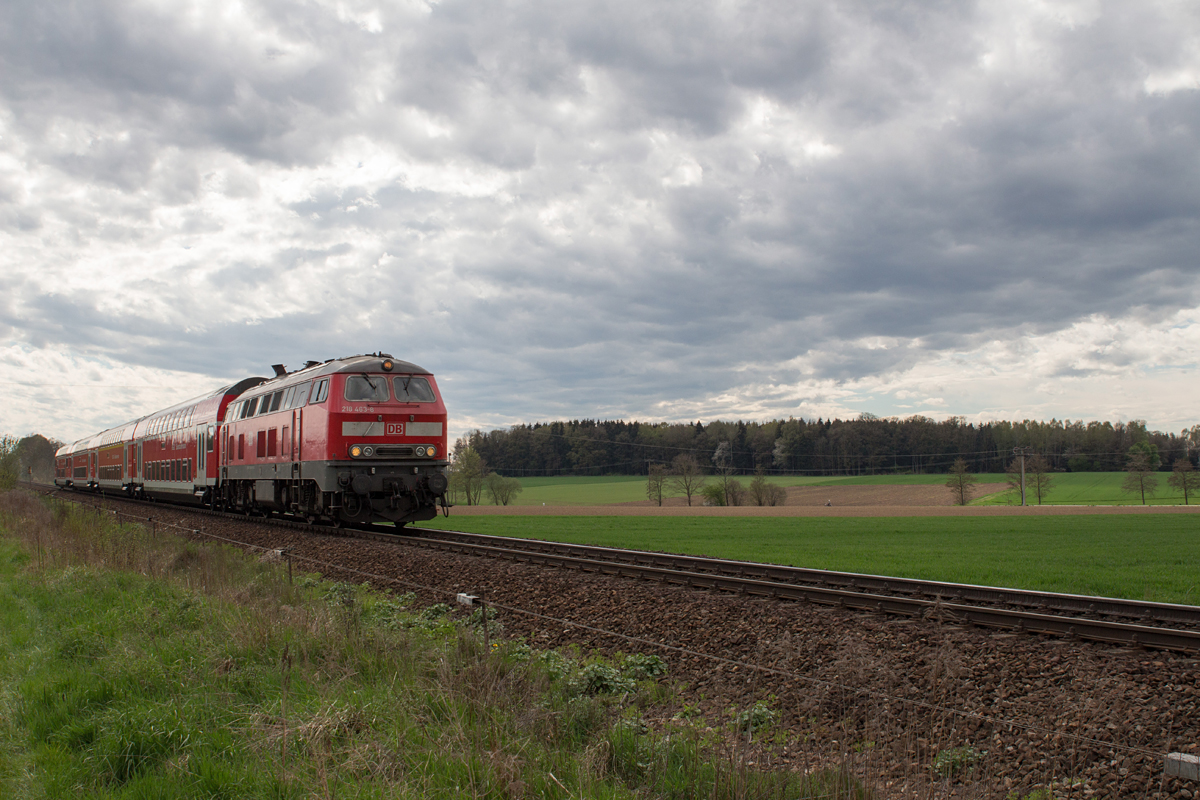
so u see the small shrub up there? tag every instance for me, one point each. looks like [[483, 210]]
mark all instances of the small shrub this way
[[949, 763], [435, 612], [759, 715], [640, 667], [599, 678], [556, 665], [1036, 794]]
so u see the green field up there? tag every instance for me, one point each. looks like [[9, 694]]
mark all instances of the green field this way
[[1150, 557], [1094, 489], [1068, 488], [576, 490]]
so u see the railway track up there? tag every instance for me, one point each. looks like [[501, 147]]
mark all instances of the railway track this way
[[1111, 620]]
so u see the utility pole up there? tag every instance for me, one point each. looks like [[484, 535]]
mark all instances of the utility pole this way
[[1022, 452]]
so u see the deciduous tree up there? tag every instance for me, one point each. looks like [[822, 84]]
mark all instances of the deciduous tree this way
[[1185, 478], [8, 463], [502, 490], [1140, 478], [1038, 480], [467, 473], [765, 493], [961, 482], [656, 482], [686, 478]]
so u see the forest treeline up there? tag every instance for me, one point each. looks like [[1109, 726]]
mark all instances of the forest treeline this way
[[863, 446]]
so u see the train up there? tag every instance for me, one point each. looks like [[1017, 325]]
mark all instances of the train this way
[[351, 441]]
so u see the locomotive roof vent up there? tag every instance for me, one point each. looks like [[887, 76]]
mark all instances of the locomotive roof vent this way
[[280, 370]]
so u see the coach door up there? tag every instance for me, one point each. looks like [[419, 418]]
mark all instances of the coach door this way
[[202, 439]]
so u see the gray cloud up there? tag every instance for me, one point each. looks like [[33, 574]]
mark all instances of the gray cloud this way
[[594, 205]]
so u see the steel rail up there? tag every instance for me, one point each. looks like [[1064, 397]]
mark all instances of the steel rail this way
[[1140, 611], [1122, 633], [847, 590]]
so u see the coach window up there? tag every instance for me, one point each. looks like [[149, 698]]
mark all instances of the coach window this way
[[365, 389], [413, 390], [301, 396]]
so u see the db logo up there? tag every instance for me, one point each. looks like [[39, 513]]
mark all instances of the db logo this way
[[394, 429]]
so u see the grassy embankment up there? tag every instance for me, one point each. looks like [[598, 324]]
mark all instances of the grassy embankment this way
[[1150, 557], [143, 666]]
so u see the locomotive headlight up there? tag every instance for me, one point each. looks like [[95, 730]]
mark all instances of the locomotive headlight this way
[[368, 451], [387, 365], [431, 451], [356, 451], [420, 451]]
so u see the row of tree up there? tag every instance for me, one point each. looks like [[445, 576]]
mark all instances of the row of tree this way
[[1032, 477], [685, 477], [866, 445], [470, 478]]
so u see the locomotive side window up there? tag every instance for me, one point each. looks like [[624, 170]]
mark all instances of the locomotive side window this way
[[251, 407], [413, 390], [322, 391], [365, 389], [276, 399]]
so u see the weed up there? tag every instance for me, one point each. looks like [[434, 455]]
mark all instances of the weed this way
[[598, 678], [758, 716], [640, 666], [954, 760]]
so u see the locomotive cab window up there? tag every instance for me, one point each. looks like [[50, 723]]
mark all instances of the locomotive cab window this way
[[366, 389], [413, 390]]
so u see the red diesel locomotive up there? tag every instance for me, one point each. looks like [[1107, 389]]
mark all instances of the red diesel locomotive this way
[[346, 441]]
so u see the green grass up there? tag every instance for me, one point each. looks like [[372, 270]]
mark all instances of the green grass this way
[[1151, 557], [211, 676]]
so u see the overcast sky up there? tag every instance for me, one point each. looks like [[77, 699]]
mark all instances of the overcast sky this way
[[651, 210]]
